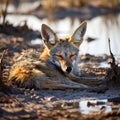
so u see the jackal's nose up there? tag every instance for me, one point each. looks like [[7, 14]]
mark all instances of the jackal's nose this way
[[69, 69]]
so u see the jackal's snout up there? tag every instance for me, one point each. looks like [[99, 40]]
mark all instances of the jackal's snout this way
[[69, 69], [66, 65]]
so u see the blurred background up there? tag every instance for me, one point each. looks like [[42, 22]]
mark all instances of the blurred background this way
[[64, 16]]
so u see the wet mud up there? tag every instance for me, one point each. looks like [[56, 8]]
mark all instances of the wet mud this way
[[20, 103]]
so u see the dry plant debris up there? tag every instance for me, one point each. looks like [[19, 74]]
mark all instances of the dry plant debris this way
[[2, 66], [113, 74]]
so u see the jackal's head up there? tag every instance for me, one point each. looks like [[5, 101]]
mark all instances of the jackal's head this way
[[63, 52]]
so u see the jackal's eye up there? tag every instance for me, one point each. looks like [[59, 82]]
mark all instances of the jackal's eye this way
[[58, 56], [72, 56]]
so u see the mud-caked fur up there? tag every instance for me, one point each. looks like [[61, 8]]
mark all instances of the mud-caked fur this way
[[51, 68]]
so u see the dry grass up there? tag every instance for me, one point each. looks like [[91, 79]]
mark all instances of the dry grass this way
[[52, 5], [2, 66]]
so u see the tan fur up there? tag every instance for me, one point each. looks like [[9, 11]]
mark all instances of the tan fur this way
[[51, 68]]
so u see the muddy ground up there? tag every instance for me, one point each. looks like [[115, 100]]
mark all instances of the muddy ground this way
[[21, 103]]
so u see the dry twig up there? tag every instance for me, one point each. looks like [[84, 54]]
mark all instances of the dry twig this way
[[114, 65], [4, 12], [113, 74], [2, 85]]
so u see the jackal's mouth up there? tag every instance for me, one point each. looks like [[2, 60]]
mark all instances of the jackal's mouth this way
[[67, 70]]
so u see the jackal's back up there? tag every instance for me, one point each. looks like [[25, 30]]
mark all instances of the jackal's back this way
[[30, 71], [22, 70]]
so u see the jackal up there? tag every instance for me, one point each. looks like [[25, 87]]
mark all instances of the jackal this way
[[52, 68]]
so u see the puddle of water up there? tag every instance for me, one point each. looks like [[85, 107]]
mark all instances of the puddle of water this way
[[92, 106]]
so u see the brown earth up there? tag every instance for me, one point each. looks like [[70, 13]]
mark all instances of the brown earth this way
[[20, 103]]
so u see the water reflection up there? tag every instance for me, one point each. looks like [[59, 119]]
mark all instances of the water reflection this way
[[103, 27], [94, 106], [99, 28]]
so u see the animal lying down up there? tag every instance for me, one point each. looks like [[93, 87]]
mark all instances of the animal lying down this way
[[54, 67]]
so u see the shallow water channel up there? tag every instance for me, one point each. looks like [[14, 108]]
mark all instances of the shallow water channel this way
[[99, 28]]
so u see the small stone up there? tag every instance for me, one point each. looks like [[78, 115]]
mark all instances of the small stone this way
[[52, 99], [37, 97]]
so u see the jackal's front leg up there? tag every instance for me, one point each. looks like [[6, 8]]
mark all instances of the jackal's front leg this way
[[92, 83], [58, 83]]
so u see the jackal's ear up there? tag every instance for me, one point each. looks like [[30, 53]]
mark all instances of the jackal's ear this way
[[48, 35], [77, 36]]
